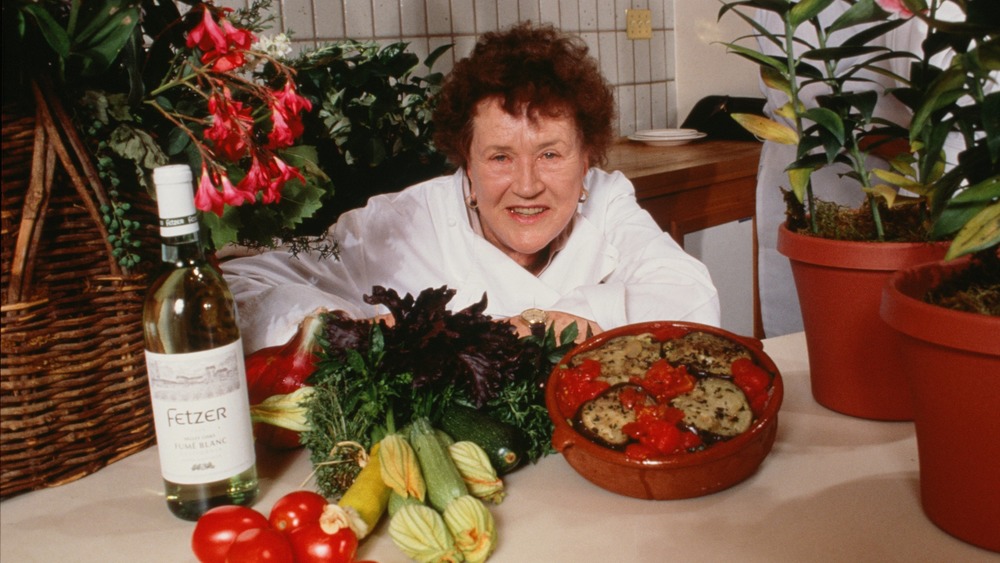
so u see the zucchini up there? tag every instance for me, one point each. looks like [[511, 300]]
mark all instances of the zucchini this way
[[502, 442], [397, 501], [444, 482]]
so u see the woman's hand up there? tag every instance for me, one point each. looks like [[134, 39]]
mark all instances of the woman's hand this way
[[561, 320]]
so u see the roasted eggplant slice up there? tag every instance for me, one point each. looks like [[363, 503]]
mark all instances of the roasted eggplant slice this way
[[704, 353], [624, 357], [601, 419], [716, 406]]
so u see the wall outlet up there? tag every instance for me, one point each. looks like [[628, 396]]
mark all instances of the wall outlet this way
[[638, 24]]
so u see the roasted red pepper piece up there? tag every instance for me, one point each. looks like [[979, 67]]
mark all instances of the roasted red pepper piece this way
[[658, 436], [665, 381], [580, 384], [753, 380], [668, 333]]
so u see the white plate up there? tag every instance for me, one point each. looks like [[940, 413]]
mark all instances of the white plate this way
[[668, 141], [664, 133]]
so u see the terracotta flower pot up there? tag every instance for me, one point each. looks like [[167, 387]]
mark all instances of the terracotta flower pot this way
[[853, 366], [952, 359]]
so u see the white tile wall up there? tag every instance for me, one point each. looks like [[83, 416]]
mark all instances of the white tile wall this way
[[641, 71]]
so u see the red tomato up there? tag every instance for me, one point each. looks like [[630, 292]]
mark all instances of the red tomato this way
[[296, 509], [668, 333], [579, 385], [217, 529], [311, 544], [753, 380], [261, 545], [658, 436], [665, 381], [633, 398]]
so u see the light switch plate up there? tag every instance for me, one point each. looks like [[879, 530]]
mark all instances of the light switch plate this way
[[638, 24]]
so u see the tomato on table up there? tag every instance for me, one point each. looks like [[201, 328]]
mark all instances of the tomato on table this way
[[296, 509], [217, 529], [312, 544], [261, 545]]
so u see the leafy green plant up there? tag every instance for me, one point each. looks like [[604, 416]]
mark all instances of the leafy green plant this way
[[960, 199], [960, 99], [373, 119]]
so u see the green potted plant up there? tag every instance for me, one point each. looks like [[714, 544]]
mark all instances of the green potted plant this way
[[841, 257], [947, 313], [946, 360]]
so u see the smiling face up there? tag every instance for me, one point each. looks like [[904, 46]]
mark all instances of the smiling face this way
[[527, 177]]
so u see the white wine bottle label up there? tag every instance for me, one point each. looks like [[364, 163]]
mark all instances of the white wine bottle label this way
[[201, 413]]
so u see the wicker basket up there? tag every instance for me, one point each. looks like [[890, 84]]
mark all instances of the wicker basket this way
[[73, 391]]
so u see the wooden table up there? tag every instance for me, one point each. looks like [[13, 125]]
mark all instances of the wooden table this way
[[691, 187]]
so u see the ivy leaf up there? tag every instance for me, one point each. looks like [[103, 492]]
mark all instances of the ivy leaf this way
[[138, 146]]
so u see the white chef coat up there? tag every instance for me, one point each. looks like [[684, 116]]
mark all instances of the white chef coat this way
[[616, 267]]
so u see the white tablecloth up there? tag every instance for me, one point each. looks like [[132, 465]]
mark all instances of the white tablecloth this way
[[834, 488]]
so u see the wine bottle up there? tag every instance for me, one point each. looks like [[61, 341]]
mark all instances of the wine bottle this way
[[194, 357]]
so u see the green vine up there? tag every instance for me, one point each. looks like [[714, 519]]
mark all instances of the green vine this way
[[119, 147]]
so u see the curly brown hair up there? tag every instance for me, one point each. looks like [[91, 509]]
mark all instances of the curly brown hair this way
[[535, 70]]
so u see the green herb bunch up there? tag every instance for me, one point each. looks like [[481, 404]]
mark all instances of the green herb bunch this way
[[375, 379]]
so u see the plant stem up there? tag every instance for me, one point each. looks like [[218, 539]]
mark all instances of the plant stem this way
[[857, 157], [793, 87]]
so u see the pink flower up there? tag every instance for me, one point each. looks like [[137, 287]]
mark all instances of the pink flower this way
[[222, 47], [224, 62], [232, 126], [207, 35], [233, 196], [240, 38], [281, 173], [257, 178], [281, 134], [895, 7], [292, 101], [208, 198], [286, 116]]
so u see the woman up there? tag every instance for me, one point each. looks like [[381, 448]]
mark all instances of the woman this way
[[526, 220]]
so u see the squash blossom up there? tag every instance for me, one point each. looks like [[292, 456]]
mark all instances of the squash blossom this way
[[472, 527], [399, 467], [421, 533], [285, 411], [479, 475]]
